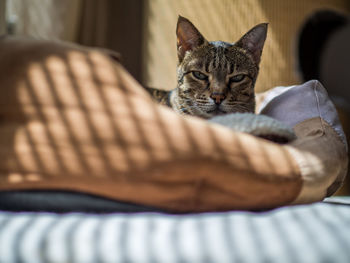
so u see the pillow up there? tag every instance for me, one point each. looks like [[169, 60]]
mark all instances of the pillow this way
[[309, 110], [74, 120]]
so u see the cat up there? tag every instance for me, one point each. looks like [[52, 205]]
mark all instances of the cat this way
[[214, 78]]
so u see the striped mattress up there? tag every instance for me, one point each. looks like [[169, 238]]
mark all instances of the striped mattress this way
[[307, 233]]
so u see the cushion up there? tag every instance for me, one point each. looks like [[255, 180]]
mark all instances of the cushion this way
[[308, 109], [73, 119]]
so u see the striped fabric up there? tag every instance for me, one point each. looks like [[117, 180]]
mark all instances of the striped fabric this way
[[310, 233]]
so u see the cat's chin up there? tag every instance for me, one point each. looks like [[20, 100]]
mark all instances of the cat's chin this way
[[215, 112]]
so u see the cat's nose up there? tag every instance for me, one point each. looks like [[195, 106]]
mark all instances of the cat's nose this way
[[218, 97]]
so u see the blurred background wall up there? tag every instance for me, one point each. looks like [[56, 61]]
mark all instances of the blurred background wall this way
[[143, 31], [112, 24], [116, 25], [2, 17], [47, 19], [227, 20]]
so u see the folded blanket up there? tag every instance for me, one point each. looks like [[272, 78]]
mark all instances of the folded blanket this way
[[257, 125]]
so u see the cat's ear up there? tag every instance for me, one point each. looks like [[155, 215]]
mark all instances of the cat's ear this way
[[253, 41], [188, 37]]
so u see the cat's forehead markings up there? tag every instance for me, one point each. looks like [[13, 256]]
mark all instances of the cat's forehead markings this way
[[195, 63], [220, 44]]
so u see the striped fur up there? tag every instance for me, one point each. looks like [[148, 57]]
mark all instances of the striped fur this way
[[160, 96], [220, 63]]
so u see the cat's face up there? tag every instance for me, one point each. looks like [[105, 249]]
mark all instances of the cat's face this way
[[217, 77]]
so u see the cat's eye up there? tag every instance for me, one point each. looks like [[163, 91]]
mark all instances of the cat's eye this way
[[199, 75], [237, 78]]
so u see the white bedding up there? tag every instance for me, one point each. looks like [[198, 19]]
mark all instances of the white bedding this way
[[309, 233]]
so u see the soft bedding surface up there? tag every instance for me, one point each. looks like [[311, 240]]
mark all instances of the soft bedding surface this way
[[307, 233]]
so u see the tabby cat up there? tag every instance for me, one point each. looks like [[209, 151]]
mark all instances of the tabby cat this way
[[214, 78]]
